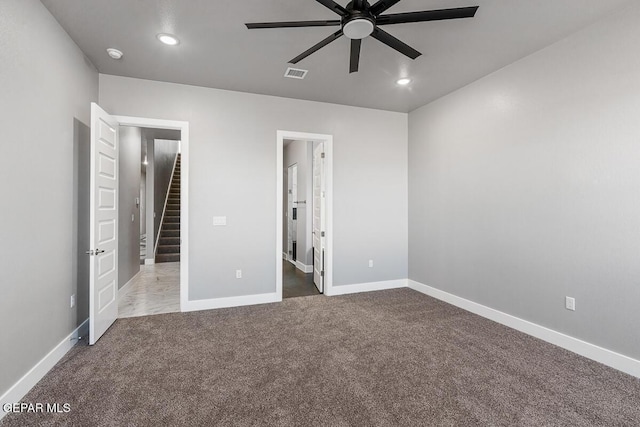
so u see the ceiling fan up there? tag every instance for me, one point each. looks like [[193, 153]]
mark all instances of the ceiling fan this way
[[359, 19]]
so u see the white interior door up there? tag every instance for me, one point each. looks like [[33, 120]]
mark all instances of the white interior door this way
[[292, 176], [318, 216], [103, 284]]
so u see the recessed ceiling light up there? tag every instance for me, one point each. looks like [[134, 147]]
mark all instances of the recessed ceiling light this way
[[114, 53], [404, 81], [168, 39]]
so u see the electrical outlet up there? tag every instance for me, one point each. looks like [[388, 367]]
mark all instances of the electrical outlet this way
[[370, 263], [570, 303], [72, 303], [238, 274]]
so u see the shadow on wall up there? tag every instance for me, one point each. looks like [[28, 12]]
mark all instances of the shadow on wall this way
[[80, 226]]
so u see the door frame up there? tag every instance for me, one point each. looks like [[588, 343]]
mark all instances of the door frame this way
[[281, 135], [183, 127]]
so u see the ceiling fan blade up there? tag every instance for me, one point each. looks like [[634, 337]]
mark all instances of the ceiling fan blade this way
[[316, 47], [258, 25], [334, 6], [394, 43], [427, 15], [382, 5], [355, 55]]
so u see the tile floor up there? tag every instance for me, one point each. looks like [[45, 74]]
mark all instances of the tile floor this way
[[295, 283], [155, 290]]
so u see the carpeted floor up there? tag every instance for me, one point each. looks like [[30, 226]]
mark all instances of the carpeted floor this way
[[382, 358]]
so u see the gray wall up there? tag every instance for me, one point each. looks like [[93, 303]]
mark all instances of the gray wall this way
[[298, 152], [524, 187], [143, 203], [47, 85], [143, 186], [233, 173], [147, 141], [163, 159], [81, 197], [129, 190]]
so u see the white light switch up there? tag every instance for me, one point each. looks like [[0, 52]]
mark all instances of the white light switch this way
[[570, 303], [219, 220]]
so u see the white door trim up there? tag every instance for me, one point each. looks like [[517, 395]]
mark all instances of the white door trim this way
[[281, 135], [183, 127]]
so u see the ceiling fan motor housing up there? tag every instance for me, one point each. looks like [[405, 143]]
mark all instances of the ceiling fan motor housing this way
[[358, 27], [359, 23]]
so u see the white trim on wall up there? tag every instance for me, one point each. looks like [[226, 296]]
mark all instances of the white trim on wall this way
[[210, 304], [35, 374], [591, 351], [367, 287], [183, 127], [281, 135], [304, 268]]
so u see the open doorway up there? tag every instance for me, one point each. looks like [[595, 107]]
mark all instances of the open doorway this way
[[149, 205], [304, 214], [297, 263]]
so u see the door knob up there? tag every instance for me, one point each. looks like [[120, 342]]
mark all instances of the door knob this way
[[94, 252]]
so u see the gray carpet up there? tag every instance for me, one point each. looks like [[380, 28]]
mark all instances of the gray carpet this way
[[383, 358]]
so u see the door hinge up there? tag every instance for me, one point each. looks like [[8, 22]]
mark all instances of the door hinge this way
[[322, 273], [322, 155], [322, 234]]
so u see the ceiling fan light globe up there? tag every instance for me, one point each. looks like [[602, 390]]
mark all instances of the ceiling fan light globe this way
[[358, 29]]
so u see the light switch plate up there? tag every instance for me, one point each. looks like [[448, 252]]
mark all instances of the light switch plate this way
[[570, 303], [219, 220]]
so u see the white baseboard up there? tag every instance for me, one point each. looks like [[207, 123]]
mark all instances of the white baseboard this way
[[591, 351], [366, 287], [304, 268], [210, 304], [127, 286], [285, 256], [35, 374], [149, 261]]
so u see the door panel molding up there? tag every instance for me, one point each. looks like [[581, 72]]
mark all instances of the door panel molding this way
[[103, 221]]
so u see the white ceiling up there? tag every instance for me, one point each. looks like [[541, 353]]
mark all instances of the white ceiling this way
[[218, 51]]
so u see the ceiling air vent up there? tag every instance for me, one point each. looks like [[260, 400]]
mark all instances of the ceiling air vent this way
[[295, 73]]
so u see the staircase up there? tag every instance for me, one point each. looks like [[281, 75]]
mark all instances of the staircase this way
[[169, 244]]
